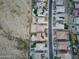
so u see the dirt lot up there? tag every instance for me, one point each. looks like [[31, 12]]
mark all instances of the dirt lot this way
[[15, 18]]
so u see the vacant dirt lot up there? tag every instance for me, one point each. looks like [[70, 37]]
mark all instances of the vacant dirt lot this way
[[15, 18]]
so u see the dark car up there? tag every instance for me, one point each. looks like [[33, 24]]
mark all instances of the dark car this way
[[74, 51]]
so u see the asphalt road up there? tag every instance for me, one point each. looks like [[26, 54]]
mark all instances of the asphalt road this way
[[50, 29]]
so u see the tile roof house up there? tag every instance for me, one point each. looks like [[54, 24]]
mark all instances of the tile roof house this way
[[62, 47], [38, 28], [61, 35]]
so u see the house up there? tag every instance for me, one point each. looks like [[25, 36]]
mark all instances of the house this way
[[59, 2], [41, 8], [76, 20], [62, 46], [60, 16], [36, 28], [77, 29], [76, 5], [40, 47], [61, 37], [76, 13], [58, 26], [76, 0], [42, 20], [60, 8]]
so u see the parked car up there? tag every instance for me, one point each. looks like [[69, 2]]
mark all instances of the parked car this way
[[74, 51]]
